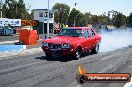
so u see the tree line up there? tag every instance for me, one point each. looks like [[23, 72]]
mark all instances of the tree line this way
[[16, 9], [63, 15]]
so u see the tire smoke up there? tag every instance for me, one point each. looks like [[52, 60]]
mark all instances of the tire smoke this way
[[115, 39]]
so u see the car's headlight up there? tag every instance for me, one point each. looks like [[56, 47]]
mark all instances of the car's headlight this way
[[45, 44], [65, 45]]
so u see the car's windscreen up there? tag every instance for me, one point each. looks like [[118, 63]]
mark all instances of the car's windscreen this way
[[70, 32]]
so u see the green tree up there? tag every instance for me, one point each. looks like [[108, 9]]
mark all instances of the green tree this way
[[76, 17], [15, 9], [130, 19], [87, 18], [61, 13], [95, 19], [9, 8], [102, 19], [119, 20]]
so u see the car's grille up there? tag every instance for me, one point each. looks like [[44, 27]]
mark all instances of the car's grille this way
[[54, 46]]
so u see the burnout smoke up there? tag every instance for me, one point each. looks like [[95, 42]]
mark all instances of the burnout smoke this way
[[115, 39]]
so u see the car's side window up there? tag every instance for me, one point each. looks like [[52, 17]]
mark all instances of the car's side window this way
[[85, 33], [90, 33], [93, 33], [79, 33]]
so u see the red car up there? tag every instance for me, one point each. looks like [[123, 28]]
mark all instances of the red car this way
[[72, 41]]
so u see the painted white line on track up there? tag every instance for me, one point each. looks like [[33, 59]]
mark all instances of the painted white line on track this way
[[78, 86], [130, 59], [130, 66], [105, 58], [9, 58], [71, 85], [17, 67]]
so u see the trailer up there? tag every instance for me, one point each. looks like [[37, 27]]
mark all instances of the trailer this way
[[7, 26]]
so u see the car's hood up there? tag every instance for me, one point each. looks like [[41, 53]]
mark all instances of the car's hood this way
[[62, 39]]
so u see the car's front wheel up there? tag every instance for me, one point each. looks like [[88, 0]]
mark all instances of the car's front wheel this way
[[77, 54], [95, 50], [48, 56]]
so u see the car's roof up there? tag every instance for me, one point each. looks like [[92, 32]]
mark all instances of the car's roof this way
[[81, 28]]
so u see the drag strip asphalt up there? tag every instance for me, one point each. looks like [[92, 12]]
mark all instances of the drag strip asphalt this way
[[35, 70]]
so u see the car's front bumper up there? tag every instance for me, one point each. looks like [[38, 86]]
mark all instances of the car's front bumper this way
[[58, 52]]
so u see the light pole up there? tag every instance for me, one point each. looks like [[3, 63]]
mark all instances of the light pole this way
[[74, 21], [48, 22], [1, 8], [16, 6], [75, 17]]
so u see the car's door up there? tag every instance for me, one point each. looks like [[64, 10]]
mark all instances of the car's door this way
[[86, 40], [92, 38]]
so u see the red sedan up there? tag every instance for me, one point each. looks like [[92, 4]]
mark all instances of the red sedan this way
[[72, 41]]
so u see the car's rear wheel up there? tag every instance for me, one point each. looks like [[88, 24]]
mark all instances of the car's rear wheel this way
[[95, 50]]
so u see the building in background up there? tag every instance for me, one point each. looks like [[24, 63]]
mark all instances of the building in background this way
[[41, 15]]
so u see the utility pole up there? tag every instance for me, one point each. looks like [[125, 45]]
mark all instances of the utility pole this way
[[75, 17], [48, 22], [1, 8]]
